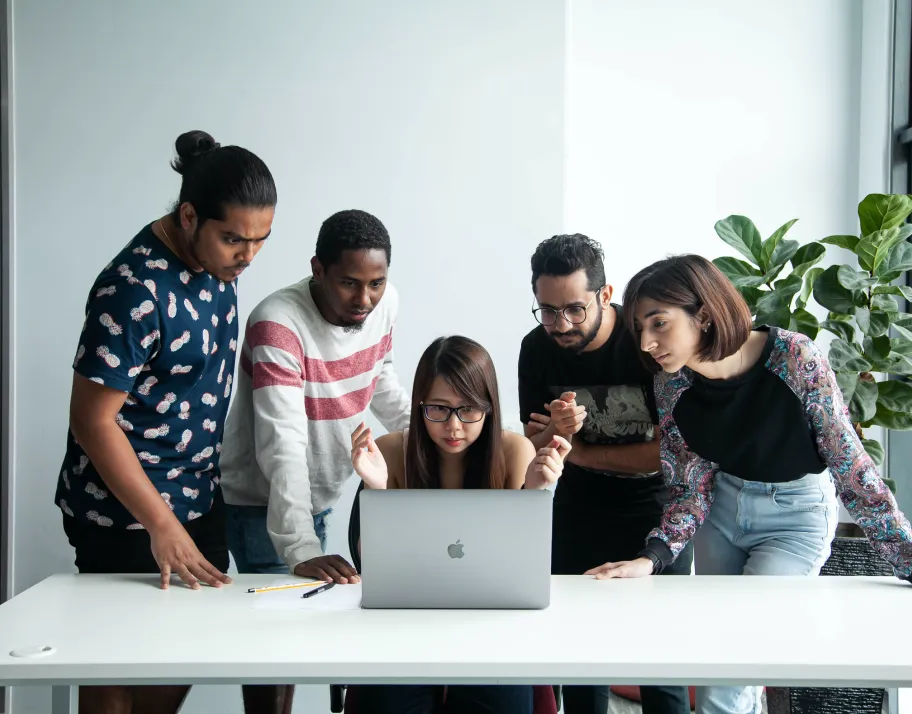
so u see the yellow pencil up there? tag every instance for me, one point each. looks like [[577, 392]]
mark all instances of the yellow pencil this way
[[289, 586]]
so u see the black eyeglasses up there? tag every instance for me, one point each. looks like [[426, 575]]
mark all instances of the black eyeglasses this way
[[441, 413], [575, 314]]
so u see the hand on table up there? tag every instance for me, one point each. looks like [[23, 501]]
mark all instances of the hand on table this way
[[330, 568], [175, 552], [639, 568]]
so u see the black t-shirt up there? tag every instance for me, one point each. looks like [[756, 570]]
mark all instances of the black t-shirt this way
[[616, 388], [728, 422]]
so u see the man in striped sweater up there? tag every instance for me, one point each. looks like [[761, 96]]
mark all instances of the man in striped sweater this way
[[316, 355]]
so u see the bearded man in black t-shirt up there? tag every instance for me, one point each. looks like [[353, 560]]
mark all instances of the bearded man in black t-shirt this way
[[581, 376]]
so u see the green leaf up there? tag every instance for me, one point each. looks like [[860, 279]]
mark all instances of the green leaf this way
[[898, 261], [771, 310], [899, 290], [808, 286], [807, 256], [873, 249], [901, 345], [889, 483], [873, 323], [895, 395], [774, 307], [877, 349], [878, 212], [741, 274], [804, 322], [831, 294], [840, 328], [852, 279], [742, 235], [896, 363], [770, 253], [787, 288], [783, 254], [874, 449], [902, 319], [885, 303], [892, 420], [891, 238], [847, 382], [863, 405], [847, 242], [845, 357], [751, 296]]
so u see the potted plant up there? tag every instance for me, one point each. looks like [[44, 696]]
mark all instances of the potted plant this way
[[871, 337]]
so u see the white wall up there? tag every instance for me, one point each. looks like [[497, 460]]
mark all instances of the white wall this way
[[443, 119], [680, 114]]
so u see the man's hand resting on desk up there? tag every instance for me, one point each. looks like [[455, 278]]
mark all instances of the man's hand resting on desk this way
[[639, 568], [175, 552], [331, 568]]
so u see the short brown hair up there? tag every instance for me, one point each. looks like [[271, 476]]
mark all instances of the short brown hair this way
[[693, 283]]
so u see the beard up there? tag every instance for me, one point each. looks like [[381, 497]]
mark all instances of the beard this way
[[585, 337], [353, 327]]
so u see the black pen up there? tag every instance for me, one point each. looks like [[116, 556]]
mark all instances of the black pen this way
[[317, 591]]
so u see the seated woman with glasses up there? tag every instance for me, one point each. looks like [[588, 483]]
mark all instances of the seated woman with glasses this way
[[455, 440]]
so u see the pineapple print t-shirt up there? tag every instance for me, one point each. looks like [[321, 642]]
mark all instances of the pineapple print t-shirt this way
[[167, 337]]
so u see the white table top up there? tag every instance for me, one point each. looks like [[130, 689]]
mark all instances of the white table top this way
[[826, 631]]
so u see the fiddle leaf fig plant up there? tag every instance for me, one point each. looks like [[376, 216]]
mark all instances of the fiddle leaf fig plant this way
[[863, 308], [774, 297]]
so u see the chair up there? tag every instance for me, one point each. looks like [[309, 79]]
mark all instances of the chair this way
[[545, 698]]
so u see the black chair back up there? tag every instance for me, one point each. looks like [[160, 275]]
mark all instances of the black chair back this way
[[354, 528]]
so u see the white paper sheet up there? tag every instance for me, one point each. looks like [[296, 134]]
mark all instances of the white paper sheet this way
[[339, 597]]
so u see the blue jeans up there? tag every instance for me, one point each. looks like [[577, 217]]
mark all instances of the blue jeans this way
[[763, 529], [249, 542]]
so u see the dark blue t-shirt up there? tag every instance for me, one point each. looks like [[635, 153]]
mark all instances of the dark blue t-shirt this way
[[166, 336]]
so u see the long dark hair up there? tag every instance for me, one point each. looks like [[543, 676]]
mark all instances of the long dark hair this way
[[216, 176], [467, 367]]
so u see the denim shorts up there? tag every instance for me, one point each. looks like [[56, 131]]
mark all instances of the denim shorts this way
[[250, 544]]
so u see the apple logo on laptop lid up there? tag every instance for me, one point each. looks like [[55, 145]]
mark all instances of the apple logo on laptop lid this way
[[455, 550]]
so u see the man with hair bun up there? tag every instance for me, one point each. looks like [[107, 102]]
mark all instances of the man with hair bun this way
[[138, 487]]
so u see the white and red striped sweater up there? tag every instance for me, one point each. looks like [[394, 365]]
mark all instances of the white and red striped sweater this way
[[302, 388]]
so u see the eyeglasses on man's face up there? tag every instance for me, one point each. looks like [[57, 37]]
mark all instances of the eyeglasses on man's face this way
[[574, 314], [442, 412]]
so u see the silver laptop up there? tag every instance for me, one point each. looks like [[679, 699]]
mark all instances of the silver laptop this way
[[453, 549]]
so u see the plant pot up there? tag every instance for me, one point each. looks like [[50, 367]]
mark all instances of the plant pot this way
[[850, 556]]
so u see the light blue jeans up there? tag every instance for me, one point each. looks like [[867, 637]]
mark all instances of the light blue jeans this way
[[249, 542], [763, 529]]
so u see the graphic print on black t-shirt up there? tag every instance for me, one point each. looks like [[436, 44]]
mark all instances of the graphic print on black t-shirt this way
[[615, 414]]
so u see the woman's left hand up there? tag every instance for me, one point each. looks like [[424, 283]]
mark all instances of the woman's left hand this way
[[548, 463], [639, 568]]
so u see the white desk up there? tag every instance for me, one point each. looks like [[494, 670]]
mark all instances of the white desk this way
[[676, 630]]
